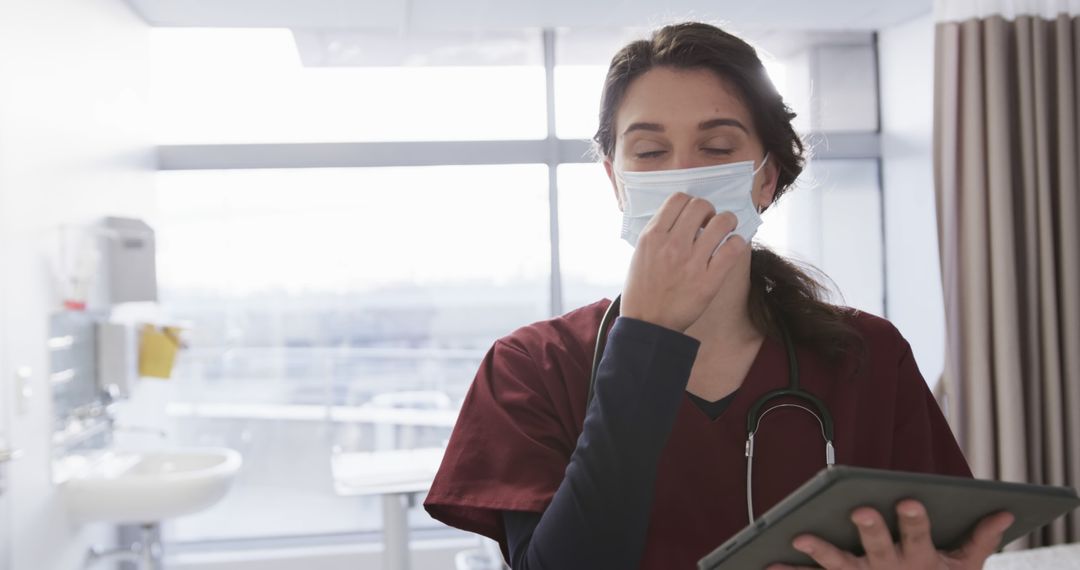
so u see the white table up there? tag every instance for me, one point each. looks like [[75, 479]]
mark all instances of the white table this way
[[395, 475]]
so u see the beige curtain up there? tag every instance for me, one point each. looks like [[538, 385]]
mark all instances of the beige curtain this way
[[1005, 167]]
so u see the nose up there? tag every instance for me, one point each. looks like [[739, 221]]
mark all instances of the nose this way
[[686, 158]]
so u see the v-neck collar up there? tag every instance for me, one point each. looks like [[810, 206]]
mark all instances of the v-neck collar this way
[[760, 378]]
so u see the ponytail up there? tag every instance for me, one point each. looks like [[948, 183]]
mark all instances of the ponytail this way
[[781, 290]]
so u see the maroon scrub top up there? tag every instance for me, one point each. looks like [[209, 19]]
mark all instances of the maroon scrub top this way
[[521, 419]]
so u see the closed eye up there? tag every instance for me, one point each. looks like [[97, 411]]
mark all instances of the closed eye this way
[[650, 154], [717, 151]]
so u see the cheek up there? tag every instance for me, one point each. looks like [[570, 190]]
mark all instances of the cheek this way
[[617, 161], [761, 192]]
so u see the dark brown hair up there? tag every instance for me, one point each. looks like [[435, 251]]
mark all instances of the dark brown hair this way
[[779, 289]]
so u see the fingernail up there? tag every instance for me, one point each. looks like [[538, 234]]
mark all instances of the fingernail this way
[[910, 511], [1007, 522], [865, 521], [803, 546]]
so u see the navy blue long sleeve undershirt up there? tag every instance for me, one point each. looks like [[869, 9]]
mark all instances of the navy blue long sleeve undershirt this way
[[599, 516]]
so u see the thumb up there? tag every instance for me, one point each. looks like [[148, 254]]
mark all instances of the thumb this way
[[986, 539]]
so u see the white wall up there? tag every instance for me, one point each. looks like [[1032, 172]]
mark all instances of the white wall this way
[[74, 145], [915, 306]]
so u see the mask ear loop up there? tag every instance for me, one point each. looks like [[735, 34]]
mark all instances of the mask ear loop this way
[[765, 159]]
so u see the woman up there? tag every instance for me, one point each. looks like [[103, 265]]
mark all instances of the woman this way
[[650, 471]]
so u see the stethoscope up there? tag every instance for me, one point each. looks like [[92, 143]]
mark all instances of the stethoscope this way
[[755, 415]]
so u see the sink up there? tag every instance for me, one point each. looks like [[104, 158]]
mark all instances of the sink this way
[[141, 487]]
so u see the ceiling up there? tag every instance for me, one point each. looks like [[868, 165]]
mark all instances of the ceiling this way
[[408, 16]]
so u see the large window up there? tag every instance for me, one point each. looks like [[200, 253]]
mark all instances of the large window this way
[[317, 295], [336, 288]]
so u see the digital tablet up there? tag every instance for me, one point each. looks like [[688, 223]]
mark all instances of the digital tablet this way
[[823, 506]]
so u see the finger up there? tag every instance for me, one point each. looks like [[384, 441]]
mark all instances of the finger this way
[[985, 540], [727, 252], [669, 211], [875, 537], [692, 218], [789, 567], [714, 232], [915, 542], [825, 554]]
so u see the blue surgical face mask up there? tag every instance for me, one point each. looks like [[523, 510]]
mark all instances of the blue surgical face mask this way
[[728, 187]]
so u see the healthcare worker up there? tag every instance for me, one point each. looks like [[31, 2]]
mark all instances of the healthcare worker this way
[[644, 463]]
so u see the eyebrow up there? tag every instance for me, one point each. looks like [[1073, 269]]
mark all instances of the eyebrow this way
[[713, 123], [702, 126], [654, 127]]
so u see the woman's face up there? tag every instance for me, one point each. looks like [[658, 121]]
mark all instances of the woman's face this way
[[679, 118]]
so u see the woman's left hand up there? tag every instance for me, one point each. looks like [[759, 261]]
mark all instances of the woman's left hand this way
[[915, 549]]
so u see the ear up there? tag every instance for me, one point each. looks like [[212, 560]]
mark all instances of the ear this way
[[619, 196], [767, 179]]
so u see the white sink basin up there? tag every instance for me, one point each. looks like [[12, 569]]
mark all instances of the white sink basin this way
[[136, 487]]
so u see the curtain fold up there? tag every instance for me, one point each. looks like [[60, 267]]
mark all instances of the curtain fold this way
[[1006, 174]]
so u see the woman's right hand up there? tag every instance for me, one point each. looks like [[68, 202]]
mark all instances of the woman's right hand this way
[[676, 271]]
